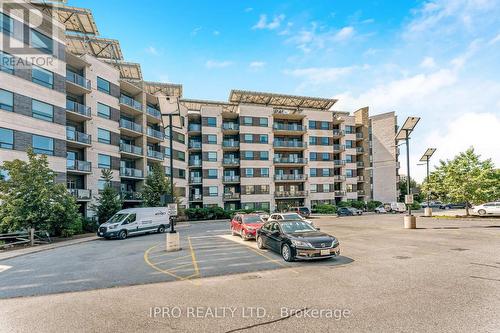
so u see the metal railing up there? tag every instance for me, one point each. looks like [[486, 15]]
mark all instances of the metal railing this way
[[360, 164], [155, 154], [290, 194], [339, 177], [230, 143], [131, 195], [291, 177], [289, 144], [230, 126], [195, 197], [153, 112], [78, 108], [73, 135], [131, 102], [130, 172], [77, 165], [131, 149], [290, 160], [338, 132], [196, 179], [288, 127], [78, 80], [231, 161], [195, 163], [194, 144], [230, 195], [359, 149], [339, 162], [155, 133], [361, 178], [339, 193], [359, 135], [194, 127], [80, 194], [337, 147], [130, 125], [231, 179]]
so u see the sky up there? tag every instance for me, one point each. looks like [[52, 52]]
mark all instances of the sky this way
[[438, 60]]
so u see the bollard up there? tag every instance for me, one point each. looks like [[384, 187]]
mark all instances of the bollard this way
[[428, 212], [410, 222], [32, 236]]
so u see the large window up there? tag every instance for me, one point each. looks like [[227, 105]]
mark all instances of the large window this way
[[6, 63], [42, 77], [6, 138], [43, 111], [211, 121], [103, 111], [104, 161], [263, 122], [103, 85], [264, 155], [248, 138], [41, 42], [212, 173], [103, 136], [264, 172], [213, 191], [6, 100], [6, 24], [249, 172], [212, 156], [42, 145], [263, 137], [212, 138]]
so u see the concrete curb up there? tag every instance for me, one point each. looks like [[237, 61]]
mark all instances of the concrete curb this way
[[203, 221], [40, 248]]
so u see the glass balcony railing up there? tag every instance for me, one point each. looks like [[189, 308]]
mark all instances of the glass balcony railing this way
[[78, 80], [194, 144], [78, 108], [360, 164], [230, 144], [131, 102], [290, 194], [131, 149], [232, 196], [230, 179], [195, 179], [130, 172], [359, 135], [76, 165], [195, 163], [338, 162], [290, 160], [339, 177], [75, 136], [153, 112], [337, 147], [80, 194], [155, 133], [131, 195], [288, 127], [289, 144], [338, 132], [130, 125], [194, 127], [359, 149], [339, 193], [155, 154], [290, 177], [230, 126], [231, 161], [195, 197]]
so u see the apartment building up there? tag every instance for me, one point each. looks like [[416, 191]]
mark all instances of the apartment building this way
[[90, 110]]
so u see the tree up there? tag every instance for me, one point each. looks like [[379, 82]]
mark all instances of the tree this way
[[466, 179], [108, 201], [156, 185], [31, 198], [415, 189]]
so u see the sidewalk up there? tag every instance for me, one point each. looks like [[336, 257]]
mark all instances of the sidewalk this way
[[38, 248]]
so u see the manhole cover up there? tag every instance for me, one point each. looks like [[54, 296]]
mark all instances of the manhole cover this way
[[459, 249], [401, 257]]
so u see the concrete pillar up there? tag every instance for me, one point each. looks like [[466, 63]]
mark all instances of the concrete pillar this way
[[410, 222], [173, 242], [428, 212]]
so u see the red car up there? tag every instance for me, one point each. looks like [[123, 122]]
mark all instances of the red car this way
[[246, 225]]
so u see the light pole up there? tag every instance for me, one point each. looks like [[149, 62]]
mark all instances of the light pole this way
[[425, 158], [410, 222]]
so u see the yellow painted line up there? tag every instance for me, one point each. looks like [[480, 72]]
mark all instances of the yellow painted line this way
[[193, 258], [180, 266], [273, 260], [171, 260], [146, 259]]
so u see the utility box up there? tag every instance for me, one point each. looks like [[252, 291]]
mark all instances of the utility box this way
[[409, 199]]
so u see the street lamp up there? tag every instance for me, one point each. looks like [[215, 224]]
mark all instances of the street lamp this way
[[410, 222], [425, 158]]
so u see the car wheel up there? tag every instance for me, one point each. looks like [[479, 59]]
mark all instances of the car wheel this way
[[161, 229], [260, 243], [122, 234], [481, 212], [233, 233], [286, 253], [244, 235], [446, 208]]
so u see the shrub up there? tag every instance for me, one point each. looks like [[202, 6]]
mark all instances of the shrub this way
[[90, 225], [371, 205], [325, 209], [358, 204]]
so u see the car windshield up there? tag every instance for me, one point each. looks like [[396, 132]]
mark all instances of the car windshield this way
[[293, 216], [252, 219], [117, 218], [304, 209], [296, 226]]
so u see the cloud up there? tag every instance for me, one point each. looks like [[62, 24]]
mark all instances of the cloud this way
[[287, 30], [257, 64], [248, 9], [216, 32], [152, 50], [320, 75], [315, 37], [263, 23], [428, 63], [494, 40], [210, 64], [344, 34], [195, 31]]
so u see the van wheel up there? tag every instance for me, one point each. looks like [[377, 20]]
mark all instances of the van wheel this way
[[481, 212], [122, 234], [233, 233], [161, 229]]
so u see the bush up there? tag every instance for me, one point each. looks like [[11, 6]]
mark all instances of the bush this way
[[343, 204], [415, 206], [358, 204], [89, 225], [210, 213], [372, 205], [325, 209]]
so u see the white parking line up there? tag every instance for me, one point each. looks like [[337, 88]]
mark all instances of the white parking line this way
[[238, 240], [3, 268]]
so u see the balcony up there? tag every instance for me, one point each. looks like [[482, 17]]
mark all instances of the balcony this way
[[361, 192], [338, 163], [80, 194], [157, 155], [131, 103], [292, 177], [231, 179], [77, 84], [194, 127], [231, 162], [287, 145], [131, 196], [195, 180], [359, 136], [360, 164], [153, 133], [130, 149], [78, 137], [194, 145], [196, 197], [359, 150], [153, 112], [290, 160], [290, 194], [130, 126], [339, 178], [338, 148], [195, 163], [338, 132], [79, 166], [230, 144], [339, 193], [80, 111], [361, 179], [230, 127], [131, 173], [231, 196], [289, 128]]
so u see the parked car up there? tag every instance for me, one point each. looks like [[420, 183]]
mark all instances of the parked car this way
[[262, 214], [246, 225], [344, 211], [297, 240], [303, 211], [288, 217], [355, 211], [452, 206], [380, 210], [489, 208], [432, 204], [134, 221]]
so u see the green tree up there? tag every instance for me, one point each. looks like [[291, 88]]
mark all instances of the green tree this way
[[156, 186], [108, 201], [31, 198], [415, 189], [466, 179]]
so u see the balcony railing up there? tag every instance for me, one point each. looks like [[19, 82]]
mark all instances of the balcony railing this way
[[339, 193], [195, 180], [195, 197], [155, 154], [155, 133], [359, 135], [194, 127], [361, 178], [130, 125], [194, 144], [80, 194], [230, 126], [131, 149], [290, 160], [78, 80], [231, 161], [130, 172], [231, 179], [339, 177], [338, 162], [337, 147], [360, 164], [131, 195], [338, 132], [289, 144], [232, 196], [78, 108], [290, 194], [290, 177], [288, 127], [153, 112], [76, 165], [230, 144], [359, 150], [195, 163], [131, 102], [79, 137]]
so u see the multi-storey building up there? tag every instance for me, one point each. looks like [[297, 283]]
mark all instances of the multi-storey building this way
[[90, 110]]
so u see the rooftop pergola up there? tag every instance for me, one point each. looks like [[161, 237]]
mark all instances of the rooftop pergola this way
[[168, 89], [76, 20], [279, 100], [197, 104]]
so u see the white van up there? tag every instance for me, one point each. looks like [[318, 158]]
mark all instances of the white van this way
[[398, 207], [134, 221]]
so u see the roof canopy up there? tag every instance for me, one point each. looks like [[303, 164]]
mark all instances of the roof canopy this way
[[128, 70], [197, 104], [168, 89], [102, 48], [278, 100], [76, 20]]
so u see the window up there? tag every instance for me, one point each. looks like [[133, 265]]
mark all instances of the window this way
[[101, 184], [6, 62], [313, 172], [312, 124], [324, 141], [6, 100], [103, 136], [41, 42], [349, 159], [263, 137], [43, 111], [247, 121], [325, 156], [212, 156], [179, 155], [248, 172], [212, 173], [179, 137], [211, 122], [349, 143], [313, 156], [325, 172], [104, 161], [213, 191], [6, 138], [181, 173], [325, 125], [263, 122], [248, 138], [264, 172], [264, 155], [327, 188], [314, 188], [349, 173], [212, 138], [103, 85], [167, 151], [103, 111], [248, 155], [42, 145], [6, 24], [349, 129], [42, 77]]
